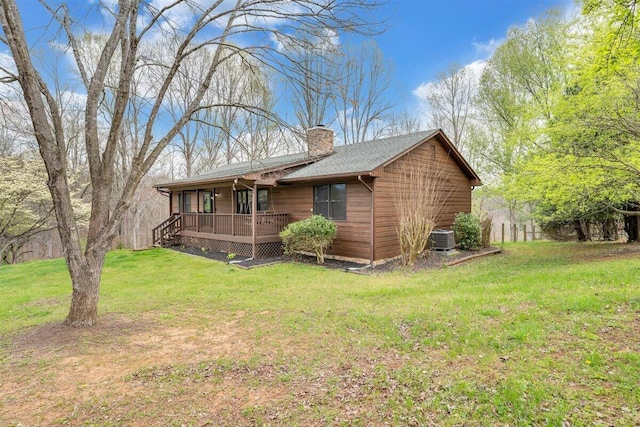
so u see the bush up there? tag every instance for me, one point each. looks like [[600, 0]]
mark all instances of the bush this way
[[313, 234], [467, 231]]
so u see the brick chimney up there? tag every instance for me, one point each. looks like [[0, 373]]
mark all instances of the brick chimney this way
[[319, 141]]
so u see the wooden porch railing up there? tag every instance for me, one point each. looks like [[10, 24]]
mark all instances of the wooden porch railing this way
[[234, 224], [167, 230]]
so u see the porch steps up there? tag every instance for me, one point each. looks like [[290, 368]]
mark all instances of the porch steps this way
[[166, 234]]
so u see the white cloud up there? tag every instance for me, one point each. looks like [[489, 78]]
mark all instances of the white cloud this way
[[485, 50], [328, 40], [425, 89], [473, 69], [278, 41], [7, 63], [476, 68]]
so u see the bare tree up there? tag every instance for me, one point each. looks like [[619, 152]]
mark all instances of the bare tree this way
[[402, 123], [195, 28], [313, 88], [450, 100], [420, 194], [362, 97]]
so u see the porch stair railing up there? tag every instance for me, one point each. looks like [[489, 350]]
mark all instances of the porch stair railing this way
[[166, 233]]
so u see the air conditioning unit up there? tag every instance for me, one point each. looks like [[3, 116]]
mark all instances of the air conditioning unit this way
[[442, 240]]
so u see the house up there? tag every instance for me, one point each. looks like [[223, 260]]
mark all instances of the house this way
[[240, 208]]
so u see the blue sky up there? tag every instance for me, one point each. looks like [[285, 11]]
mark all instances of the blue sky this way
[[425, 36]]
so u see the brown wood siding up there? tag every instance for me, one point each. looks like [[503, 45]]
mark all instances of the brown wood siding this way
[[223, 200], [458, 200], [353, 239], [175, 202]]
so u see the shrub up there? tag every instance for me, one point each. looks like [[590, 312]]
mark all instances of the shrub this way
[[467, 231], [419, 195], [313, 234]]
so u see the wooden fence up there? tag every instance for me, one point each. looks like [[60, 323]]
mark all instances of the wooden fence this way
[[515, 233]]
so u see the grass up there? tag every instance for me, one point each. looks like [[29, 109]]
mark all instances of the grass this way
[[545, 334]]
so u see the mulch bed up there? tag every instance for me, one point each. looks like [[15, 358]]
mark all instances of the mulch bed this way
[[437, 260], [434, 260], [218, 256]]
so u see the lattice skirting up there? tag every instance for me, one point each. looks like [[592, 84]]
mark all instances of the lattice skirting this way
[[263, 250], [268, 250]]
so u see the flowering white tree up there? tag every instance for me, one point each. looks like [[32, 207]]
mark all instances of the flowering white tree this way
[[25, 206]]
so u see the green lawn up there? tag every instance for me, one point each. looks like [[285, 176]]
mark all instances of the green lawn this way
[[545, 334]]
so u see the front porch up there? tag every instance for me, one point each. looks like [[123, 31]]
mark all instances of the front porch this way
[[252, 235], [233, 227]]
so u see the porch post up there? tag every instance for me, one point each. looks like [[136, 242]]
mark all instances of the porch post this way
[[213, 210], [170, 203], [197, 210], [254, 208], [233, 209]]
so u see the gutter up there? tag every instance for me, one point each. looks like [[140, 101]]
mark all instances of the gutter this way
[[324, 177]]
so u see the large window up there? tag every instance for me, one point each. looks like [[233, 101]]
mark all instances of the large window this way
[[263, 203], [330, 201], [187, 207], [243, 201]]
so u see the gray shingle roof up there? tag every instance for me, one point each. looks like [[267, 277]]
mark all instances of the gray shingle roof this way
[[353, 159], [235, 170], [361, 157]]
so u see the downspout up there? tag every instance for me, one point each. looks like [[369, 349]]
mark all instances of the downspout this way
[[371, 223], [166, 193]]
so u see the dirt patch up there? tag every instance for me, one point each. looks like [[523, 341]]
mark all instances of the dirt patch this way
[[606, 251], [49, 370], [52, 338]]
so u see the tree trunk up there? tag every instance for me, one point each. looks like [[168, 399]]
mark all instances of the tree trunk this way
[[632, 228], [85, 278], [578, 226]]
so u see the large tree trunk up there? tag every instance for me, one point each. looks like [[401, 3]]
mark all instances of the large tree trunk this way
[[85, 279], [582, 230], [632, 228]]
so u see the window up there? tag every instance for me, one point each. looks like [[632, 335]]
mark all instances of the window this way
[[207, 202], [263, 195], [186, 199], [243, 201], [330, 201]]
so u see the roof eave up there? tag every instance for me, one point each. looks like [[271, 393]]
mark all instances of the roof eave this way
[[460, 159], [174, 184], [328, 176], [251, 176]]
